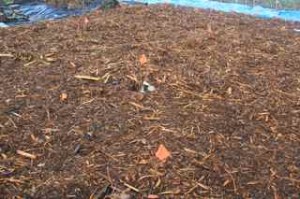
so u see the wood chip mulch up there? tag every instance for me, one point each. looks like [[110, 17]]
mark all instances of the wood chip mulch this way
[[224, 106]]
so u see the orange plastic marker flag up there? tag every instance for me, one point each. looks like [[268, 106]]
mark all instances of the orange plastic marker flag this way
[[86, 20], [162, 153], [143, 59]]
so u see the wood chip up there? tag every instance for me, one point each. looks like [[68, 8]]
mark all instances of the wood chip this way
[[25, 154], [152, 196], [6, 55], [86, 77], [203, 186]]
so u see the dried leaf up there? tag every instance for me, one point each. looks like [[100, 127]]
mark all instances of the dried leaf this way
[[143, 59], [162, 153]]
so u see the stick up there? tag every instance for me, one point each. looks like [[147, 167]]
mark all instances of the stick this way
[[25, 154]]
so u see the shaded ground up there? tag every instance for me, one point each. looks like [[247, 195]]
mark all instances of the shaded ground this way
[[226, 105]]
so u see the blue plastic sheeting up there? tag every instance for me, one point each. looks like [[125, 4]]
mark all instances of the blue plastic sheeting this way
[[3, 25], [41, 11], [258, 11]]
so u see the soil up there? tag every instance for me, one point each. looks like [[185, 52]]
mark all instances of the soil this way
[[226, 105]]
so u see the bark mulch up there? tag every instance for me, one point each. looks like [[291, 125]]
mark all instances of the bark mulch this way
[[226, 105]]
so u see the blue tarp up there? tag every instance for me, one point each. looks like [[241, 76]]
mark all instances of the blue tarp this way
[[3, 25], [37, 12], [40, 11], [288, 15]]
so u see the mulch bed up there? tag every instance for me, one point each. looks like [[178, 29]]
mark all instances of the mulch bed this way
[[226, 105]]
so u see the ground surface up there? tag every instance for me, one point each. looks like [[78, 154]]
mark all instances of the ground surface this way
[[282, 4], [226, 105]]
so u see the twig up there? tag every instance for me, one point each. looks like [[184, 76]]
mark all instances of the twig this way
[[130, 187], [25, 154], [6, 55]]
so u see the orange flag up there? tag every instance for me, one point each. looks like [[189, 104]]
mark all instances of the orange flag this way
[[143, 59], [162, 153]]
